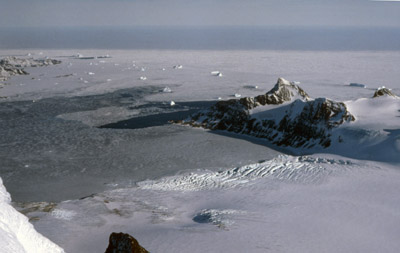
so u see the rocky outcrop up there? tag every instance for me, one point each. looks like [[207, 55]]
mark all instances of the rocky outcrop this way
[[12, 66], [383, 91], [124, 243], [302, 123]]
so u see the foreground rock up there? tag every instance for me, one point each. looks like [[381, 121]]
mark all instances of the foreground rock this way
[[124, 243], [302, 123], [12, 66]]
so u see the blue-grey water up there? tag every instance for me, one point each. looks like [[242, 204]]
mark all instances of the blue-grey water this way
[[199, 38]]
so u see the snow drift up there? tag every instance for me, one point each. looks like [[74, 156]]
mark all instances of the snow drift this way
[[17, 235]]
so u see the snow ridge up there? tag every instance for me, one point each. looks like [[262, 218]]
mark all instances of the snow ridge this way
[[17, 235], [283, 167]]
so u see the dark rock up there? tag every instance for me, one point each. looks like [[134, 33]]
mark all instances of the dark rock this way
[[382, 91], [124, 243], [302, 123]]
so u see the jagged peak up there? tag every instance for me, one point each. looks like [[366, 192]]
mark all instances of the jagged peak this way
[[282, 81], [283, 91]]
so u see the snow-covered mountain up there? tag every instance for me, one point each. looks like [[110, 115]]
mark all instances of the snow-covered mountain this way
[[17, 235], [287, 116]]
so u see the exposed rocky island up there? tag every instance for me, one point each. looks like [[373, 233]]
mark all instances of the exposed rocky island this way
[[13, 66], [285, 115]]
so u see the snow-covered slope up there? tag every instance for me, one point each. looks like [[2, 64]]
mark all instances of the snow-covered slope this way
[[17, 235], [375, 134]]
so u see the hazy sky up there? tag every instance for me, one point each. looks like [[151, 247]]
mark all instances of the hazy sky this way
[[199, 12]]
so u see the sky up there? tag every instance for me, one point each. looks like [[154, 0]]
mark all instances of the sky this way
[[71, 13]]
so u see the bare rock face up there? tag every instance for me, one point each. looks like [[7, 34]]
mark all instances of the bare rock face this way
[[382, 91], [302, 123], [12, 66], [124, 243]]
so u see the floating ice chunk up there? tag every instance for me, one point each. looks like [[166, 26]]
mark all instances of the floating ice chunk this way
[[237, 95], [142, 69], [163, 69], [143, 78], [102, 61], [295, 82], [216, 73], [167, 90], [85, 81], [172, 103], [177, 67], [219, 98], [109, 80], [90, 73], [116, 64], [358, 85]]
